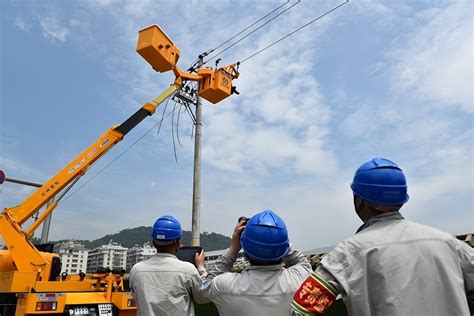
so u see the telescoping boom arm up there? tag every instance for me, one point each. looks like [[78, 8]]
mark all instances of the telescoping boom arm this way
[[161, 53], [81, 163], [27, 257]]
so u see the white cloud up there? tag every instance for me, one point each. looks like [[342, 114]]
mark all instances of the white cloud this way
[[436, 62], [280, 119], [74, 22], [18, 170], [383, 14], [446, 185], [422, 123], [277, 144], [53, 30], [99, 5], [22, 24], [235, 145]]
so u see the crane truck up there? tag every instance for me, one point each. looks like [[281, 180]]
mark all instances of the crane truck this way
[[30, 279]]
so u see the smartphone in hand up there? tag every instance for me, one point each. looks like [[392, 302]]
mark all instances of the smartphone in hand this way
[[188, 253]]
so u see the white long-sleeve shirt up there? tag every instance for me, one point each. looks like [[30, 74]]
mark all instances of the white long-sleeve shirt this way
[[396, 267], [164, 285], [257, 290]]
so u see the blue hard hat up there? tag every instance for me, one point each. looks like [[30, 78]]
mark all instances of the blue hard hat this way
[[166, 228], [380, 181], [265, 238]]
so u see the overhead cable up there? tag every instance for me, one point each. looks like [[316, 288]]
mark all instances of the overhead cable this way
[[177, 125], [172, 131], [250, 33], [120, 155], [289, 34], [192, 68], [245, 29]]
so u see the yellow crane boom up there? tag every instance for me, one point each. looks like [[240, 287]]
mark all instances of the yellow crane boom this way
[[32, 275]]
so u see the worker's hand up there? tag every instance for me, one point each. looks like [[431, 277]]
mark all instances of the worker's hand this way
[[235, 244], [199, 260]]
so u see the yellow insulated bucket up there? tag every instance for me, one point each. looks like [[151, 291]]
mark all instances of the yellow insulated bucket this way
[[157, 48], [215, 86]]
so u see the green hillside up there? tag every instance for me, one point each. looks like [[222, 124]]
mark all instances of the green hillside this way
[[139, 235]]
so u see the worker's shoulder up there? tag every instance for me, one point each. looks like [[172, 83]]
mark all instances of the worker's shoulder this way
[[225, 282], [169, 264], [139, 266], [388, 233], [425, 231], [428, 232], [187, 267]]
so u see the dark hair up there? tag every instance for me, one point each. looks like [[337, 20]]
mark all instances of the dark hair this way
[[165, 248], [360, 202], [263, 263]]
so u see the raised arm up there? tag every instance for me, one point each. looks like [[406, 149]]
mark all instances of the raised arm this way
[[226, 262]]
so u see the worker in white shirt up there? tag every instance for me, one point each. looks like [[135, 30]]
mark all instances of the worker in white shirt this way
[[391, 266], [275, 272], [164, 285]]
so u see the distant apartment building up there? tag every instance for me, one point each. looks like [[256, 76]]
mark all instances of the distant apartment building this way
[[73, 257], [112, 255], [240, 262], [211, 256], [137, 254]]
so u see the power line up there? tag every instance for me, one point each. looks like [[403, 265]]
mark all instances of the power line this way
[[298, 29], [253, 31], [177, 125], [172, 132], [119, 155], [245, 29], [162, 117], [194, 64], [245, 59]]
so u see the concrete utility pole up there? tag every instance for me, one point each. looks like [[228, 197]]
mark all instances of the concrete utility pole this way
[[46, 225], [196, 221]]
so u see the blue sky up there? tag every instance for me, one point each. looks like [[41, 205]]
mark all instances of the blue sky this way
[[375, 78]]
